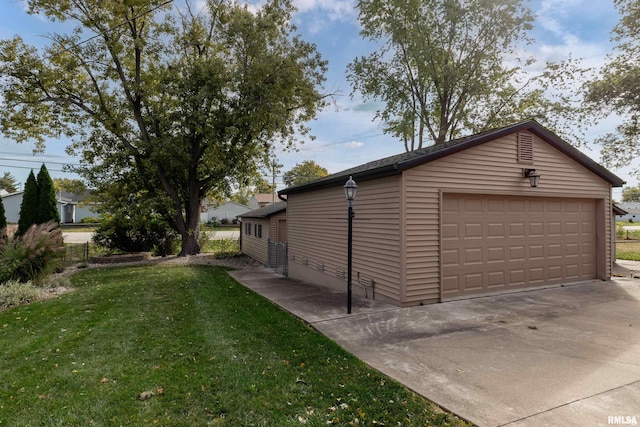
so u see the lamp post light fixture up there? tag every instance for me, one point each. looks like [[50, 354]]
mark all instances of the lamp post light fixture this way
[[350, 189], [534, 178]]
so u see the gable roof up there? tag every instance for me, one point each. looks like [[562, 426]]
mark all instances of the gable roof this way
[[265, 197], [394, 165], [266, 211], [228, 202], [617, 210], [629, 207]]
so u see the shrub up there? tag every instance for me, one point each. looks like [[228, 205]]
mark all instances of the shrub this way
[[32, 256], [224, 220], [90, 220], [13, 293], [135, 235]]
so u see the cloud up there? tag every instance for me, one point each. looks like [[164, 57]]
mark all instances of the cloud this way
[[353, 144]]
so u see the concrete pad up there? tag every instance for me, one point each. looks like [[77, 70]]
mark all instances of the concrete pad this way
[[560, 356], [310, 303]]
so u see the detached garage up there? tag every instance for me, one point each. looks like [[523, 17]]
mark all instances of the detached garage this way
[[509, 209]]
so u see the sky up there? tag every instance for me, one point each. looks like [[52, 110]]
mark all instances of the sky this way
[[345, 133]]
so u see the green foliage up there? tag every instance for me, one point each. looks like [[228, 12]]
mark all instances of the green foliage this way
[[304, 172], [631, 194], [14, 293], [178, 107], [138, 234], [47, 203], [90, 220], [440, 70], [617, 89], [33, 255], [8, 183], [75, 186], [29, 206], [3, 219]]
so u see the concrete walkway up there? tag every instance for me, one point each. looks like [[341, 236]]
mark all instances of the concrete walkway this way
[[565, 356]]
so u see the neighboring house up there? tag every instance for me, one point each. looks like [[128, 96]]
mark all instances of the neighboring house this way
[[260, 226], [261, 200], [72, 207], [76, 206], [631, 212], [227, 210], [459, 219]]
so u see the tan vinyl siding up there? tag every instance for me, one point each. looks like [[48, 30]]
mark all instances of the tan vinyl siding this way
[[317, 233], [491, 168], [252, 245], [273, 225]]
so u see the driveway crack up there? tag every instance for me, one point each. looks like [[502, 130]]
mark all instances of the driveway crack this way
[[569, 403]]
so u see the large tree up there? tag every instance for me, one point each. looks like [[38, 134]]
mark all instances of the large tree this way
[[617, 90], [442, 68], [69, 185], [165, 104], [631, 194], [304, 172]]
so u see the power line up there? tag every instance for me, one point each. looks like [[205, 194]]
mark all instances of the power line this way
[[27, 167], [38, 161], [12, 153]]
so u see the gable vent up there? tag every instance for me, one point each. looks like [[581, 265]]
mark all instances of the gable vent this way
[[525, 148]]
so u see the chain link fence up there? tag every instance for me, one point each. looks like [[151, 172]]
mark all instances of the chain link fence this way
[[78, 252], [627, 258]]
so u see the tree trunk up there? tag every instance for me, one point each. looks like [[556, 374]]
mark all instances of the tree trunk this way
[[190, 245]]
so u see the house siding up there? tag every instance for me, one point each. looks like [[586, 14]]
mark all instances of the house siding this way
[[273, 225], [321, 217], [255, 247], [490, 168]]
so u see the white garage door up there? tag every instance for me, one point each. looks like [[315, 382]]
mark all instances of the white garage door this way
[[495, 243]]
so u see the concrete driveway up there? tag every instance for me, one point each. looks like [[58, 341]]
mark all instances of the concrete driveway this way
[[555, 357]]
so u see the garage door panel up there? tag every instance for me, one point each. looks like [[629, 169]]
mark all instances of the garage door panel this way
[[496, 279], [491, 243]]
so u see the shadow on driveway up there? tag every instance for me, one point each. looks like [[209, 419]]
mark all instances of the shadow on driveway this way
[[555, 357]]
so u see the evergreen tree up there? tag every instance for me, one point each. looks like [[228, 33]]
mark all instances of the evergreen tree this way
[[3, 219], [47, 204], [29, 205]]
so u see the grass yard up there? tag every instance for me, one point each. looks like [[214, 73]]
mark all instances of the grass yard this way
[[184, 346]]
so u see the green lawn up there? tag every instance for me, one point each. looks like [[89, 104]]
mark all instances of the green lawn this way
[[198, 349]]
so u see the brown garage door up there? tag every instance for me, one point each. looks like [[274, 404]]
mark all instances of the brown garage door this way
[[495, 243]]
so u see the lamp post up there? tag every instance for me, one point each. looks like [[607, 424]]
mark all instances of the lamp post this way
[[350, 189]]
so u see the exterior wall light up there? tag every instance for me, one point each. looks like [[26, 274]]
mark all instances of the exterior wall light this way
[[350, 189], [534, 178]]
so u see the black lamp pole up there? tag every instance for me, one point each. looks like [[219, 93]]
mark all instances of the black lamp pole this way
[[350, 192]]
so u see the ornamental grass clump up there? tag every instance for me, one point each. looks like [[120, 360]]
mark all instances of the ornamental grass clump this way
[[32, 256], [14, 293]]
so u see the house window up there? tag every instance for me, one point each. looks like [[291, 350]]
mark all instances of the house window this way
[[247, 229], [525, 148], [257, 230]]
